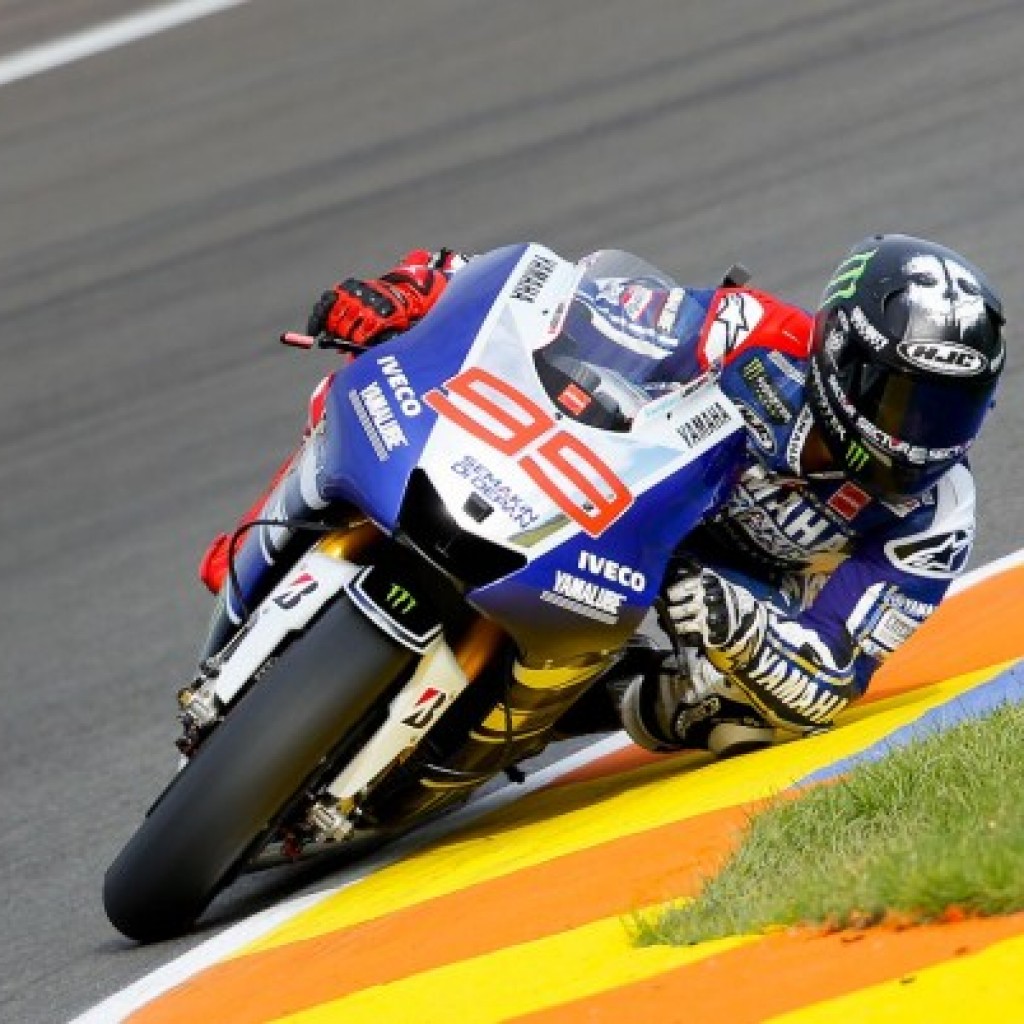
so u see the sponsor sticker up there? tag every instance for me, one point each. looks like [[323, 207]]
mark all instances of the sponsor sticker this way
[[891, 631], [797, 440], [848, 274], [759, 430], [736, 316], [824, 407], [849, 501], [945, 357], [885, 618], [395, 608], [775, 406], [377, 418], [295, 590], [614, 572], [704, 424], [584, 598], [536, 275], [867, 330], [496, 491], [408, 402], [574, 400], [425, 710]]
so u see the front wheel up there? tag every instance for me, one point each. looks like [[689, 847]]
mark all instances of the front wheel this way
[[247, 773]]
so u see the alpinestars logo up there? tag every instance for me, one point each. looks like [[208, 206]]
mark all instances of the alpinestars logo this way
[[735, 318], [937, 557]]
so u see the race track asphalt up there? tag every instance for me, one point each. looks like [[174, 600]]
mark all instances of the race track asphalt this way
[[168, 207]]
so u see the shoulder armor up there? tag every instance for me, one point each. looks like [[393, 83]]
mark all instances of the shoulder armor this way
[[744, 318], [941, 550]]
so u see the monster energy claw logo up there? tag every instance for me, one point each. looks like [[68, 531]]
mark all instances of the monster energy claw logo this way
[[856, 455], [847, 275], [399, 599]]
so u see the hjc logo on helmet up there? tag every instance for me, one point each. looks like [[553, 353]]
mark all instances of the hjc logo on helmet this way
[[943, 357]]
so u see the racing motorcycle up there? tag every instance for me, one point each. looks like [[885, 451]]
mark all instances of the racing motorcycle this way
[[480, 520]]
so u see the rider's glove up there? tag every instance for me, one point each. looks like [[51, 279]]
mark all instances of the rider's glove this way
[[364, 311], [716, 616]]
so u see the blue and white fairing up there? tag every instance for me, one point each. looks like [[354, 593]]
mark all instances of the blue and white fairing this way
[[584, 518]]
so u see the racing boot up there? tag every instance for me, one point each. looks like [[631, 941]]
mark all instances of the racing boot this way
[[691, 706]]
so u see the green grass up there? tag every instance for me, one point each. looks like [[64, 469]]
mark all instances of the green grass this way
[[938, 824]]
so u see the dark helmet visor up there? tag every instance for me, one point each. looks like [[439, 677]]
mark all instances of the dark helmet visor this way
[[929, 413]]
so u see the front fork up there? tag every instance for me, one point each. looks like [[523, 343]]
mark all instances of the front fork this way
[[514, 721], [234, 655]]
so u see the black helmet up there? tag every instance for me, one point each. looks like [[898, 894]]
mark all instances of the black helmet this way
[[907, 353]]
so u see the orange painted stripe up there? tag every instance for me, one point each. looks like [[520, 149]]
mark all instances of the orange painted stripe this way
[[971, 630], [614, 878], [781, 973]]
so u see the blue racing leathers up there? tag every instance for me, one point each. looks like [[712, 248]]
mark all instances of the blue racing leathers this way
[[845, 578]]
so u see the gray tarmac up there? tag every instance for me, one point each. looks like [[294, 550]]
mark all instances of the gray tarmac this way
[[167, 208]]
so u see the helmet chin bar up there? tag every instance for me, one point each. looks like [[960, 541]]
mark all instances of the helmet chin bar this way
[[882, 474]]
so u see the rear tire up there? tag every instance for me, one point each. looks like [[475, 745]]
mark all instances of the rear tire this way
[[247, 772]]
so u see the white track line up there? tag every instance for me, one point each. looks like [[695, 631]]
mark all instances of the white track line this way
[[108, 36], [120, 1005], [984, 572]]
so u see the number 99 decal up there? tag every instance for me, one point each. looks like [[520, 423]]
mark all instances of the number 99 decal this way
[[575, 478]]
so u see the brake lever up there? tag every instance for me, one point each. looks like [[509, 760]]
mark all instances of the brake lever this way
[[322, 340]]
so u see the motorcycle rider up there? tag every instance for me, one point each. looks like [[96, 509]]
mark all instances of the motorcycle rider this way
[[854, 509]]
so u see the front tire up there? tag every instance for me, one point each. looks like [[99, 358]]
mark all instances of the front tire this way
[[248, 771]]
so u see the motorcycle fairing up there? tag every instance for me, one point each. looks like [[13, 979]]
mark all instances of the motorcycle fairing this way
[[587, 517], [358, 466]]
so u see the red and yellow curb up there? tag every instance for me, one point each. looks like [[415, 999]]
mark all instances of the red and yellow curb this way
[[525, 914]]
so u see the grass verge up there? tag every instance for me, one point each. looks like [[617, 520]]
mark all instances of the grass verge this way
[[933, 827]]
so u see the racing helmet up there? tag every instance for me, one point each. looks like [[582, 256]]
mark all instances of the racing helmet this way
[[906, 355]]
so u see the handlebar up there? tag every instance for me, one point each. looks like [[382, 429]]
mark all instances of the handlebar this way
[[324, 340]]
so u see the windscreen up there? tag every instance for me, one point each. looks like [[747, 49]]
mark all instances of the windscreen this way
[[620, 315]]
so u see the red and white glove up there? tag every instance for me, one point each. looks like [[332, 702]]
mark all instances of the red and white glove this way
[[364, 312]]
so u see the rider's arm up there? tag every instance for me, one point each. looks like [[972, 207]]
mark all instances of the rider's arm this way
[[802, 670]]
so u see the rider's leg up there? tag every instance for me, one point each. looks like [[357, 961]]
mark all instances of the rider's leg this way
[[691, 706], [686, 703], [213, 567]]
